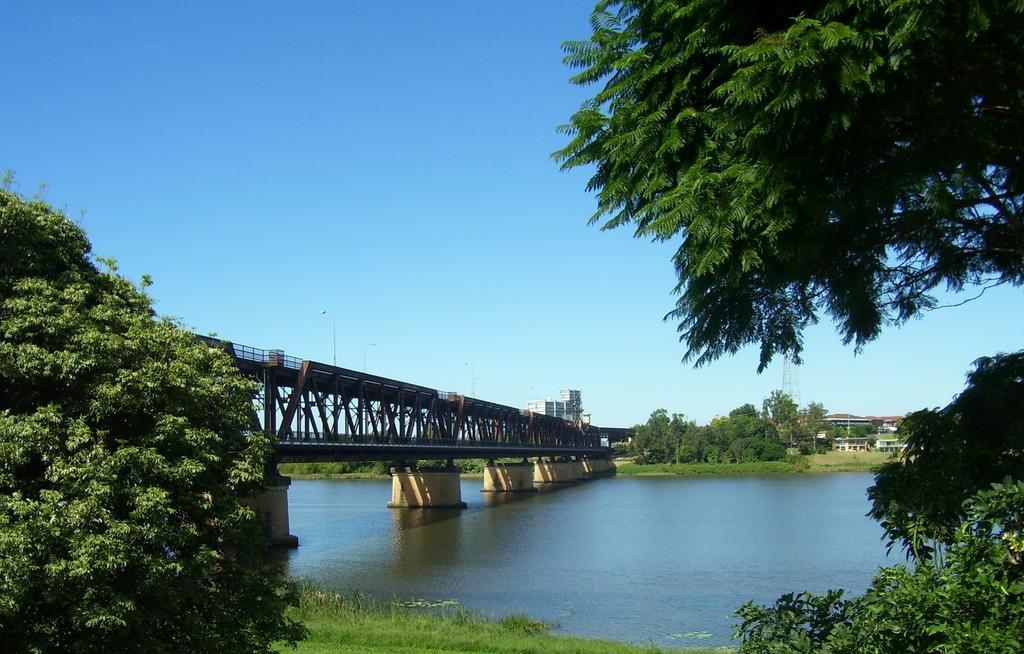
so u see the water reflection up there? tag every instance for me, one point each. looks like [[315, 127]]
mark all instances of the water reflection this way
[[492, 500], [413, 518]]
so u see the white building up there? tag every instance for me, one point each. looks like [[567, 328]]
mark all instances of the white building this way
[[569, 407], [850, 444], [890, 445]]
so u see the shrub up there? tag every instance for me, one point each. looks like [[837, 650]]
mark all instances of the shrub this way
[[124, 455]]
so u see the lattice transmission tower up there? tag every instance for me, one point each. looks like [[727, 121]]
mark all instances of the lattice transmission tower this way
[[790, 379]]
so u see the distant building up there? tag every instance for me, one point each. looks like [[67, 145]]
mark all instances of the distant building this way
[[569, 407], [890, 445], [573, 404], [850, 444], [846, 420], [886, 424], [882, 424]]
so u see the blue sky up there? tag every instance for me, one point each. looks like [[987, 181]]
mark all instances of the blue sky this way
[[389, 162]]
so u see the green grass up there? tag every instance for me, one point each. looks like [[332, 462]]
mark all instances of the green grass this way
[[708, 469], [826, 462], [337, 470], [372, 470], [847, 461], [357, 624]]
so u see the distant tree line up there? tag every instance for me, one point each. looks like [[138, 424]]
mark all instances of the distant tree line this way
[[745, 435]]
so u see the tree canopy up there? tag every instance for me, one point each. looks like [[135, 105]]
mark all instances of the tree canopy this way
[[744, 436], [836, 156], [124, 457], [953, 453]]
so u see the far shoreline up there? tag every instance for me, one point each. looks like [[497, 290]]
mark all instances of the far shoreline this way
[[830, 462]]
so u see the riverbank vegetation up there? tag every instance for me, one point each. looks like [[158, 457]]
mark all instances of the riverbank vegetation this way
[[706, 469], [336, 470], [791, 464], [354, 623], [375, 469], [746, 435]]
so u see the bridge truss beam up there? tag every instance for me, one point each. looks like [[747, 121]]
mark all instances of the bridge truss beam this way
[[322, 412]]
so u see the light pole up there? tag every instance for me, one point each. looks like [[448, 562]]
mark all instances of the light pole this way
[[334, 338], [472, 378], [364, 353]]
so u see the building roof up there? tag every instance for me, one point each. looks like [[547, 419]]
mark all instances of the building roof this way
[[850, 416]]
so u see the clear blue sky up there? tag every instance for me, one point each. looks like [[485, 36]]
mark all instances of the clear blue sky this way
[[389, 162]]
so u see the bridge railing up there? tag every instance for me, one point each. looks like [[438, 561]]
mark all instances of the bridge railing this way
[[269, 357]]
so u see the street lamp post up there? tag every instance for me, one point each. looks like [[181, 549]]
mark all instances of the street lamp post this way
[[472, 378], [334, 340], [364, 353]]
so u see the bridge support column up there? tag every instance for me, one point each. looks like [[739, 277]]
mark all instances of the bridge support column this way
[[576, 469], [416, 489], [597, 467], [589, 467], [271, 506], [508, 478], [554, 472]]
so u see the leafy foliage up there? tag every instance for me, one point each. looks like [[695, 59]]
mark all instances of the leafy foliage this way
[[951, 454], [123, 460], [795, 623], [839, 156], [744, 436]]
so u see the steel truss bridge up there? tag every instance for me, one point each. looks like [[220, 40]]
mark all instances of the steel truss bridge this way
[[320, 412]]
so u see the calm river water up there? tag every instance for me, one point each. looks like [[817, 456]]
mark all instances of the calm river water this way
[[626, 558]]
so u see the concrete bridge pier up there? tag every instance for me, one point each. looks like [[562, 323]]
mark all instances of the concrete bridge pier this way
[[556, 472], [412, 488], [597, 467], [576, 469], [271, 506], [508, 477]]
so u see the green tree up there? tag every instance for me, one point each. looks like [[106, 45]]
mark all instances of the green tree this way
[[691, 446], [835, 156], [124, 458], [810, 423], [951, 454], [653, 441], [781, 411]]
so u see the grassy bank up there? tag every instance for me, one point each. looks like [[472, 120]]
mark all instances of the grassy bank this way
[[351, 624], [372, 470], [341, 470], [827, 462], [707, 469], [847, 461]]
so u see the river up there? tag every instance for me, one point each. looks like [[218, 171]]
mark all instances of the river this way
[[661, 560]]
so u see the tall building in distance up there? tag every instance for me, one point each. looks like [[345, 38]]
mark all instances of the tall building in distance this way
[[568, 407]]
